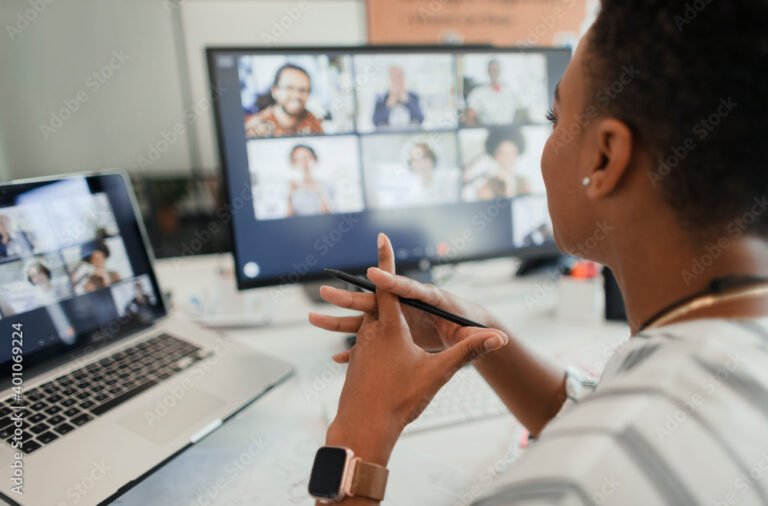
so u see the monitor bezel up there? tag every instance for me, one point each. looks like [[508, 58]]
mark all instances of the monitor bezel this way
[[211, 52]]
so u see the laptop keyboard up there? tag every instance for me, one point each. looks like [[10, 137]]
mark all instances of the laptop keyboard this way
[[61, 406]]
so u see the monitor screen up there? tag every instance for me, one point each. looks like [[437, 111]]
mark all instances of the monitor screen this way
[[439, 147], [74, 270]]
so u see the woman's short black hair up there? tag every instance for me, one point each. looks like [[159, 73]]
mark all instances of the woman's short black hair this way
[[688, 77], [498, 135]]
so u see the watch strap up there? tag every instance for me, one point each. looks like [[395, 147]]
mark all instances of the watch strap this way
[[369, 480]]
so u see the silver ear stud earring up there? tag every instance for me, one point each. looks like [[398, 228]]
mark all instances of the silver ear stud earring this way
[[586, 181]]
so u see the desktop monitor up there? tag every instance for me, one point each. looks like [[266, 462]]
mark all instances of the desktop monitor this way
[[439, 147]]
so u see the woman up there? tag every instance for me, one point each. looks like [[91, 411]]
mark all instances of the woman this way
[[307, 196], [431, 185], [92, 272], [493, 175], [47, 291], [680, 415]]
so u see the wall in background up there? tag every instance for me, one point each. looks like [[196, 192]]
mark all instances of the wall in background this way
[[86, 84], [4, 174], [527, 22], [89, 84]]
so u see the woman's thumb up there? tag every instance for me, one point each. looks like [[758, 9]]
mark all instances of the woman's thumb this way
[[473, 346]]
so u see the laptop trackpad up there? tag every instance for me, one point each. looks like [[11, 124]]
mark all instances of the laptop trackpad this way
[[167, 417]]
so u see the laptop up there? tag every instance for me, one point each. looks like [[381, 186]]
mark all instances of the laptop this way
[[101, 385]]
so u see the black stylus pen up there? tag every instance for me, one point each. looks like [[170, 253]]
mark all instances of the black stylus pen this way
[[367, 285]]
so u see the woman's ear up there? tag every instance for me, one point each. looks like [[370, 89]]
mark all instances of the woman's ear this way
[[614, 145]]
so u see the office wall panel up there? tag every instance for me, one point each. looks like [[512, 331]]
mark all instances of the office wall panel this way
[[88, 84]]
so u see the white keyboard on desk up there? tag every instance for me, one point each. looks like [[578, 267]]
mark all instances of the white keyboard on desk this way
[[466, 398]]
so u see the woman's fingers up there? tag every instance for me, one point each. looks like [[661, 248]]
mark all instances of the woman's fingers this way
[[405, 287], [387, 304], [349, 324], [349, 300], [341, 358], [476, 343], [386, 253]]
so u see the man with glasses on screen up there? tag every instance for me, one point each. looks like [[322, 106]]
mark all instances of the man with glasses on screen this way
[[288, 114]]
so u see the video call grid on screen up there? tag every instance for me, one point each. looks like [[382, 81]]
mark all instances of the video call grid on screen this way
[[66, 267], [336, 131]]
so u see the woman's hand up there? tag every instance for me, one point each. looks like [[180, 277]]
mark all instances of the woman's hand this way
[[428, 331], [390, 380]]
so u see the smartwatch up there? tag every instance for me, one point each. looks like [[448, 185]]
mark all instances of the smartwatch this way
[[337, 474]]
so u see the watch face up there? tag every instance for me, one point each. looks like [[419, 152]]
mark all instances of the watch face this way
[[327, 472]]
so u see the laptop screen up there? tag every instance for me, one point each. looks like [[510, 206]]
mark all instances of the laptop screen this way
[[75, 273]]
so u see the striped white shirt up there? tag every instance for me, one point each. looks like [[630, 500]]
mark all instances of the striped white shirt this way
[[680, 417]]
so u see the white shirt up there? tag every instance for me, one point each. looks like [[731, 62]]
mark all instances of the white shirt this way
[[491, 106], [680, 417], [442, 189], [398, 187]]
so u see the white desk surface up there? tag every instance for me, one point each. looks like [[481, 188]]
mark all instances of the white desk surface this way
[[264, 454]]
